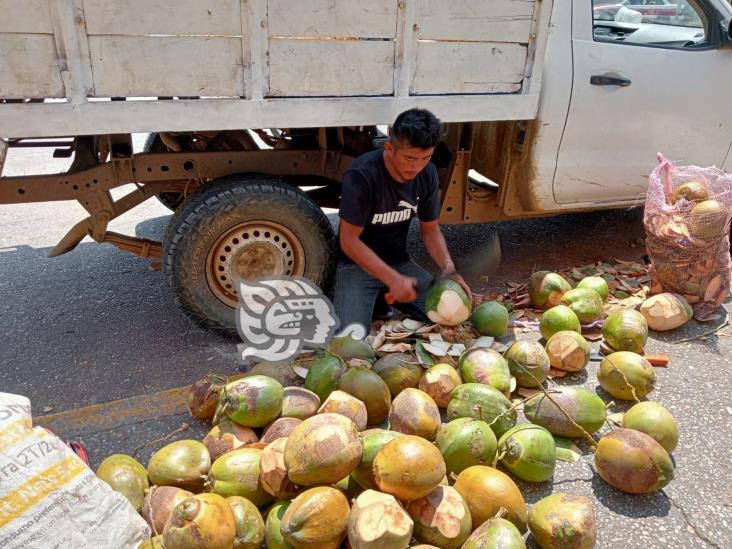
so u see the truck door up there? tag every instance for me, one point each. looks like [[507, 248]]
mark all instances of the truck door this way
[[646, 80]]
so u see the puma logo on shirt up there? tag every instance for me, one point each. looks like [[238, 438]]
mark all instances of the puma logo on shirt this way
[[395, 216]]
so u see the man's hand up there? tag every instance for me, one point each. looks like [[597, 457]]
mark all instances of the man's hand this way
[[449, 271], [459, 279], [403, 289]]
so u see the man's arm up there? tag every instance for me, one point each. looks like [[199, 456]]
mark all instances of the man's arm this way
[[436, 246], [402, 288]]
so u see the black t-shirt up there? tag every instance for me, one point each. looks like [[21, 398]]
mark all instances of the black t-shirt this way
[[384, 207]]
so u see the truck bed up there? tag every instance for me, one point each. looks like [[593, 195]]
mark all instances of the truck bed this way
[[78, 67]]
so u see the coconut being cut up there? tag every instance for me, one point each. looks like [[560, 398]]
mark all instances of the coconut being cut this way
[[446, 303]]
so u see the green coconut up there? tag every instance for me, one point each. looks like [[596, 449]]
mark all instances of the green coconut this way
[[490, 319], [562, 520], [373, 441], [625, 330], [528, 451], [559, 318], [654, 420], [347, 348], [441, 518], [546, 289], [299, 403], [528, 362], [495, 533], [324, 375], [317, 518], [633, 462], [582, 405], [486, 490], [586, 304], [666, 312], [249, 523], [350, 488], [447, 304], [626, 375], [125, 475], [439, 382], [709, 219], [478, 401], [252, 401], [183, 463], [378, 520], [236, 473], [413, 412], [273, 537], [323, 449], [408, 468], [399, 371], [370, 389], [464, 442], [568, 351], [596, 283], [203, 521], [481, 365]]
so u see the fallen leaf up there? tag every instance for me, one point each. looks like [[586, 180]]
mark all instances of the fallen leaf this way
[[411, 324], [425, 359], [483, 341], [526, 392], [616, 418], [554, 372], [395, 348], [456, 349], [434, 337], [567, 450], [434, 350], [379, 340], [300, 371]]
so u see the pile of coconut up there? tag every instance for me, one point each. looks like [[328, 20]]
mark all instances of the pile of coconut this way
[[412, 437]]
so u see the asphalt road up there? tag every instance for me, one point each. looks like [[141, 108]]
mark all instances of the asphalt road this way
[[96, 325]]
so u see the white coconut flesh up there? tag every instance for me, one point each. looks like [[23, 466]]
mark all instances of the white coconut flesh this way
[[450, 310]]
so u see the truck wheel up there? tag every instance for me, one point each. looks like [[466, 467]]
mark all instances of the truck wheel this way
[[154, 144], [250, 226]]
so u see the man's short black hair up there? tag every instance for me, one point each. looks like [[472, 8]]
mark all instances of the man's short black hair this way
[[419, 127]]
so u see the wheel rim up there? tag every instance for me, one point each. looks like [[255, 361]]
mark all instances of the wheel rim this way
[[252, 250]]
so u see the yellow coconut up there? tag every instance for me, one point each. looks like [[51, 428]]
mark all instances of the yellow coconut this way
[[666, 311], [378, 520], [408, 468], [317, 518], [203, 521], [438, 382], [159, 504], [227, 436], [340, 402], [486, 490], [413, 412], [323, 449], [441, 518]]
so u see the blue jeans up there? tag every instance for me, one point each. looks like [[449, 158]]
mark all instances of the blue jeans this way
[[356, 292]]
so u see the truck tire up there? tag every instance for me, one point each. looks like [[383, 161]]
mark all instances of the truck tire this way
[[253, 226], [154, 144]]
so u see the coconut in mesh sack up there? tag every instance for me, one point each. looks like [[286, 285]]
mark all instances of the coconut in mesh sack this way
[[687, 222]]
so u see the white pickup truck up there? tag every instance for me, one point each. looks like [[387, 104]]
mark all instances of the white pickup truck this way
[[255, 108]]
